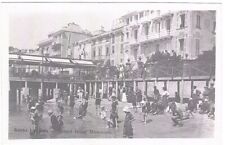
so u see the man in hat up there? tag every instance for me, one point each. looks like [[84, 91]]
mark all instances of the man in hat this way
[[128, 129], [35, 118], [53, 120], [114, 111]]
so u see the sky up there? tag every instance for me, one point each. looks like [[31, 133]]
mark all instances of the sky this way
[[29, 25]]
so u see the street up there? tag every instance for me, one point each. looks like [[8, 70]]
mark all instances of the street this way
[[158, 126]]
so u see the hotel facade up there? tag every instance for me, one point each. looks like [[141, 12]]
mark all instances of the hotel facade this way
[[141, 33]]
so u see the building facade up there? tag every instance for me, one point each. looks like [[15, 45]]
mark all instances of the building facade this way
[[61, 42], [140, 34]]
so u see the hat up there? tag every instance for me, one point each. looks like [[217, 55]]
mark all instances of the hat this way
[[126, 109], [50, 112], [33, 108], [206, 100]]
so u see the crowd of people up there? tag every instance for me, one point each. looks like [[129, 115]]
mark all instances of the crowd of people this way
[[133, 101]]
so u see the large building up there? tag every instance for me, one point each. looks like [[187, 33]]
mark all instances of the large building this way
[[61, 42], [141, 33]]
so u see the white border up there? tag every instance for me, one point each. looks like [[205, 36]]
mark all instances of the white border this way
[[46, 7]]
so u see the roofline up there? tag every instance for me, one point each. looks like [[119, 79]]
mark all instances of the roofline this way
[[62, 31], [53, 57]]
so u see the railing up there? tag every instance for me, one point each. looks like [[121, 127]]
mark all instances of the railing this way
[[152, 70]]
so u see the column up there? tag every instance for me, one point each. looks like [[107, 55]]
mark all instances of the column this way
[[56, 85], [108, 83], [178, 89], [192, 87], [182, 92], [25, 84], [146, 88], [71, 89], [85, 87], [90, 90], [117, 88], [102, 89], [134, 86], [95, 91], [41, 91], [17, 96], [165, 84]]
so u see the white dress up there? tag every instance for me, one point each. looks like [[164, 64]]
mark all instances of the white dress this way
[[124, 97]]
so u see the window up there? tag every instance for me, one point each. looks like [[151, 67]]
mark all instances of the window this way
[[121, 60], [113, 38], [99, 51], [94, 53], [214, 27], [135, 53], [158, 27], [127, 35], [198, 22], [181, 41], [122, 36], [157, 48], [162, 24], [107, 51], [141, 14], [121, 48], [113, 49], [135, 34], [197, 46], [127, 20], [112, 62], [182, 20], [131, 19], [146, 29], [136, 17], [168, 23]]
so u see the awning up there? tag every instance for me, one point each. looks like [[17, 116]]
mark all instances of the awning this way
[[32, 58], [13, 56], [82, 62], [59, 60]]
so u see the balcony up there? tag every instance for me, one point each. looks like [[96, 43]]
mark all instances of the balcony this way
[[165, 34]]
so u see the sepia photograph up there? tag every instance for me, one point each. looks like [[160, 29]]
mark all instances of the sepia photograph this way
[[98, 73]]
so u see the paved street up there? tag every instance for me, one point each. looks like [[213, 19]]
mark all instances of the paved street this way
[[159, 126]]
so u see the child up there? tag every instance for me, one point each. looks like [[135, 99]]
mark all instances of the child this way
[[180, 116], [82, 109], [103, 117], [128, 129], [144, 109], [97, 102], [103, 113]]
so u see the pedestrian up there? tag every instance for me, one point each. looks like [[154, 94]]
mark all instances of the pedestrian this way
[[60, 107], [139, 96], [124, 96], [54, 120], [83, 108], [172, 107], [103, 113], [165, 96], [144, 110], [191, 106], [97, 102], [114, 112], [180, 116], [35, 119], [156, 93], [196, 96], [134, 101], [80, 93], [128, 128]]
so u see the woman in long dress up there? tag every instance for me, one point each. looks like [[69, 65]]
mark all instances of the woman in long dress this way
[[124, 96]]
